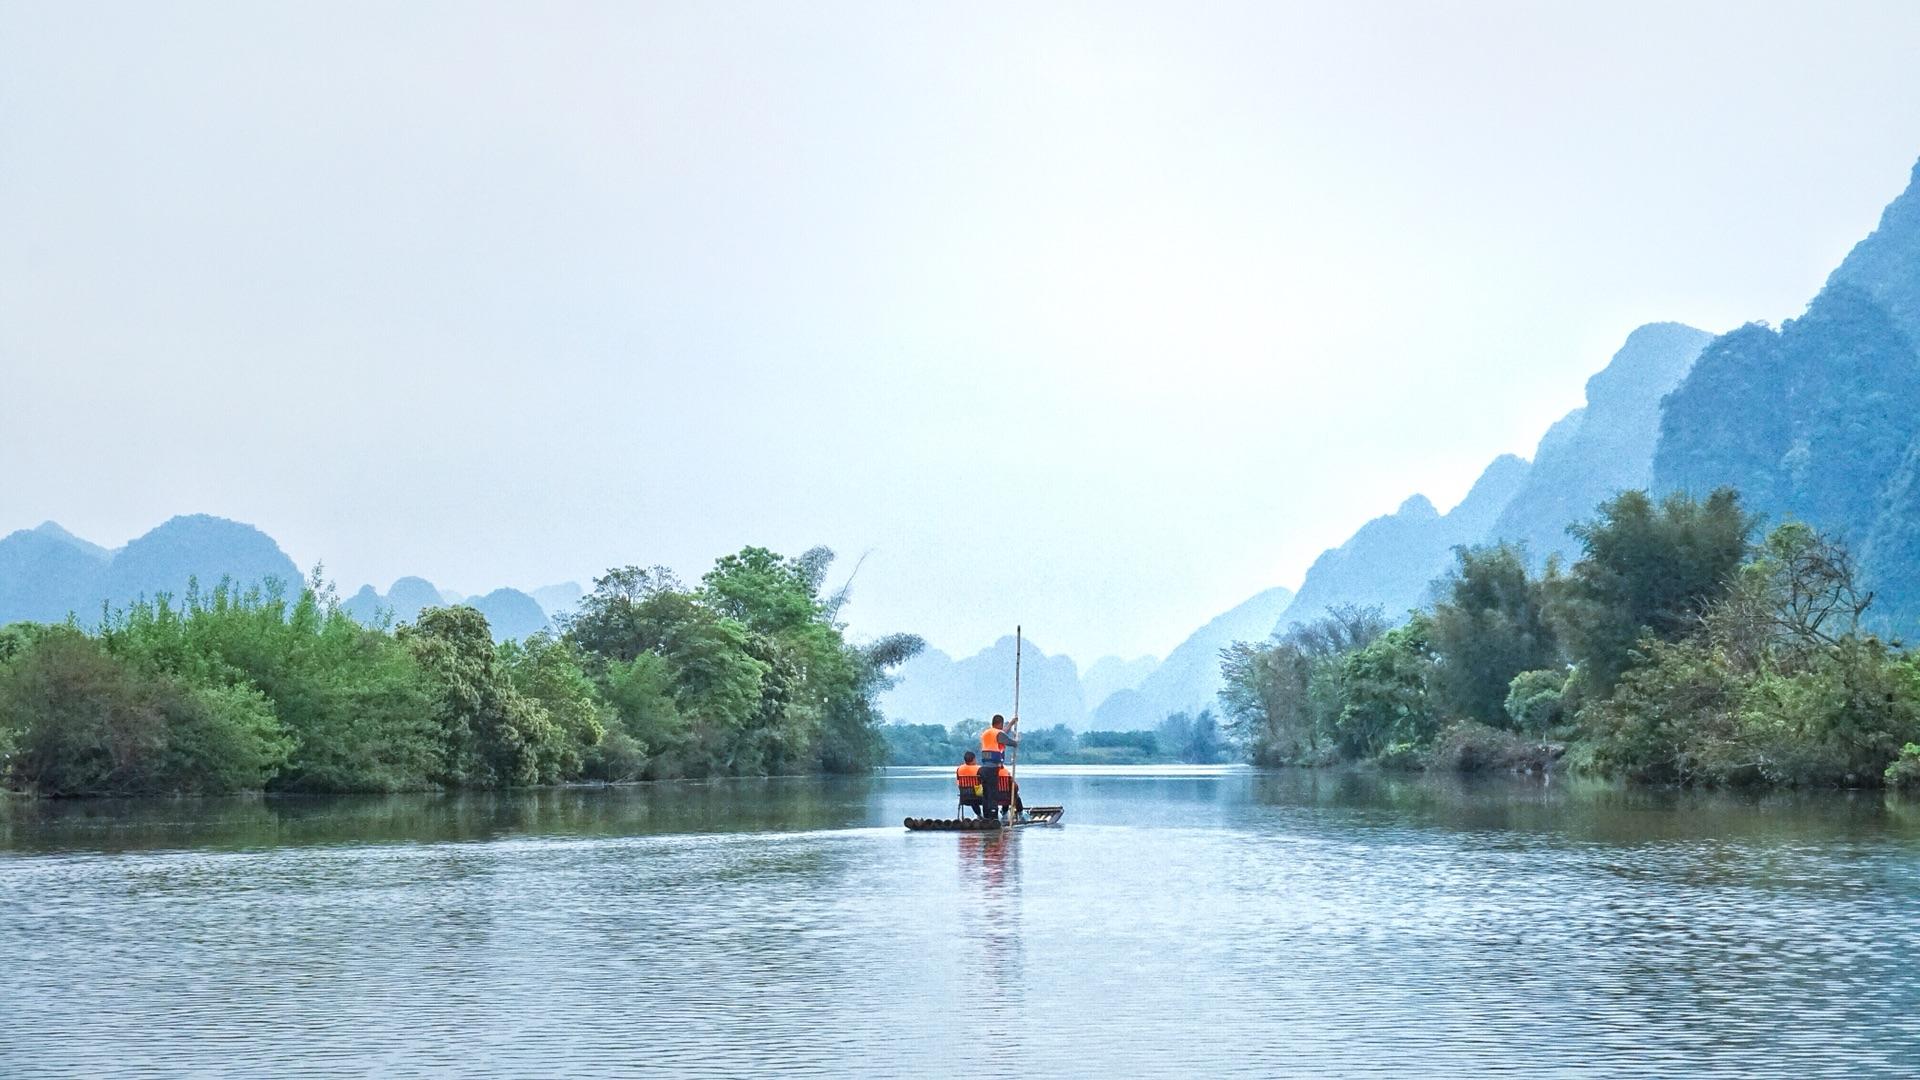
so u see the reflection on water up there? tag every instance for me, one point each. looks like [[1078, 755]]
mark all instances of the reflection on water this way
[[1182, 922]]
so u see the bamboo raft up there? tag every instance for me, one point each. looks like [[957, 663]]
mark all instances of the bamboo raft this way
[[1032, 815]]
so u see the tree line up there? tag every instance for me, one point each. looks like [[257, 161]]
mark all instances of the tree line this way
[[747, 673], [1188, 738], [1675, 649]]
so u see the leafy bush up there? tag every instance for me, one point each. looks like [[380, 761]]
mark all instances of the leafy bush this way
[[242, 689], [1904, 772], [1469, 746], [84, 722], [1404, 756], [1536, 700]]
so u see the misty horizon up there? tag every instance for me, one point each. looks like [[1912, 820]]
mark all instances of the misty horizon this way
[[1102, 343]]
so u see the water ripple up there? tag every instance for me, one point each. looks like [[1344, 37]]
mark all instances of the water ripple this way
[[1219, 923]]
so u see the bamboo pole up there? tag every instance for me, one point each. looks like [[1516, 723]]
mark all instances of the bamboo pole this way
[[1013, 752]]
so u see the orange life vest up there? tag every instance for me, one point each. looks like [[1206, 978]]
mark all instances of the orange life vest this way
[[969, 777], [992, 742]]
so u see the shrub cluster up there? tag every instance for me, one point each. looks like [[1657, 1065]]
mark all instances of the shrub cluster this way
[[1673, 650], [240, 690]]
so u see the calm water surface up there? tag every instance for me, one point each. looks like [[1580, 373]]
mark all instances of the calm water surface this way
[[1182, 922]]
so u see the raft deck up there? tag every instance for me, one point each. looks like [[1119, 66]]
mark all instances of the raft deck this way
[[1032, 815]]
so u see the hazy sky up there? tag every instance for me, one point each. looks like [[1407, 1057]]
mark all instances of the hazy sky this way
[[1094, 317]]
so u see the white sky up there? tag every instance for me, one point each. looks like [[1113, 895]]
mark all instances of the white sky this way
[[1095, 317]]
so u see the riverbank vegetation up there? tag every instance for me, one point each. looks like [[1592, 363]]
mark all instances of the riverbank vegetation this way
[[1194, 739], [1675, 649], [747, 673]]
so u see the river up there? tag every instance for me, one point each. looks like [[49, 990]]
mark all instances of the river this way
[[1182, 922]]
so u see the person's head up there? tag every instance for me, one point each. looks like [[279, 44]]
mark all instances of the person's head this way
[[969, 758], [999, 721]]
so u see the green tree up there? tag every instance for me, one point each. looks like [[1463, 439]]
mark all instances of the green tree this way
[[84, 722], [1776, 686], [1646, 570], [1191, 738], [1537, 700], [1385, 692], [851, 729], [1489, 626], [352, 700], [493, 736], [766, 593], [1282, 698], [1266, 696], [620, 618], [647, 735], [547, 672]]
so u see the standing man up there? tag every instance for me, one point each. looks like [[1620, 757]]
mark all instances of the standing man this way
[[994, 743]]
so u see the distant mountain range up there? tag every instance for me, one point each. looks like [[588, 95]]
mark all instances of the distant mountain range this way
[[1820, 420], [1111, 674], [1817, 421], [47, 573], [1189, 679], [511, 613], [934, 688], [1587, 455], [1113, 694], [1603, 447]]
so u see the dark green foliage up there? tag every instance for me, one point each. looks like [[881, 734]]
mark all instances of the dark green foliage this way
[[1776, 687], [82, 721], [1491, 624], [352, 700], [1904, 772], [749, 674], [1647, 569], [1675, 653], [1466, 746], [1537, 700], [921, 744], [546, 672], [1041, 746], [1283, 697], [239, 690], [1693, 714], [1385, 689], [1142, 741], [1817, 422]]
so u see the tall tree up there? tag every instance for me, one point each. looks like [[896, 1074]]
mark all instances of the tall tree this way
[[1489, 625], [1647, 569]]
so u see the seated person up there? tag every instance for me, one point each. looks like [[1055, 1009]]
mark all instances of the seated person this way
[[971, 791]]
